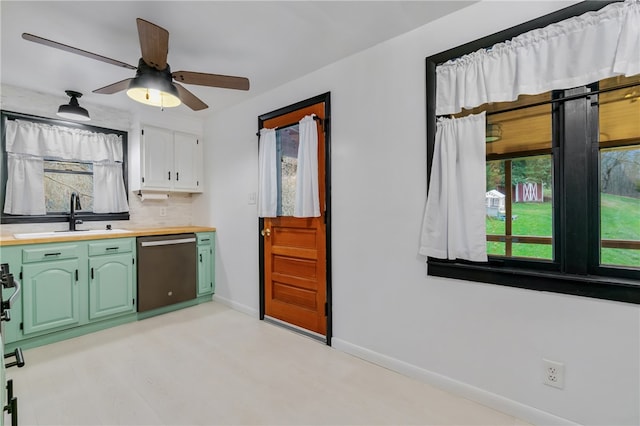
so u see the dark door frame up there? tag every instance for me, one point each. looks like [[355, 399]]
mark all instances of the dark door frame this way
[[326, 124]]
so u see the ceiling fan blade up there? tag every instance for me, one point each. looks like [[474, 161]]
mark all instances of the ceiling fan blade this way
[[114, 88], [154, 44], [189, 99], [212, 80], [70, 49]]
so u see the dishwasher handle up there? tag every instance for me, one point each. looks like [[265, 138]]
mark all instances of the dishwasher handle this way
[[167, 242]]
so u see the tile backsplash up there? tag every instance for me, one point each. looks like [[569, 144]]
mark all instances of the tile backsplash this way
[[149, 213], [143, 214]]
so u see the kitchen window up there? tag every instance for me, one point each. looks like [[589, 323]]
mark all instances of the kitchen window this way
[[63, 177], [562, 183], [45, 160]]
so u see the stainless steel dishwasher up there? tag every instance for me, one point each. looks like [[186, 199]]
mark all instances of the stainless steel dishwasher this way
[[167, 270]]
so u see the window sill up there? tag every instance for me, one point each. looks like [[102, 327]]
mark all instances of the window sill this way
[[608, 288], [87, 217]]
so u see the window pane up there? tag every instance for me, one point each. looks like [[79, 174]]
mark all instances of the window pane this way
[[61, 178], [537, 251], [495, 248], [287, 145], [523, 215], [619, 111], [620, 206], [619, 138], [522, 130], [532, 196]]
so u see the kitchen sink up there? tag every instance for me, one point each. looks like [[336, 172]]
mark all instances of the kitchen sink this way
[[79, 232]]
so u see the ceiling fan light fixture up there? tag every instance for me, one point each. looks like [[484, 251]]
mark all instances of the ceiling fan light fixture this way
[[153, 87], [73, 110], [153, 97]]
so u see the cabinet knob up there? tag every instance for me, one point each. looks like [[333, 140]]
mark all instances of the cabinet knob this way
[[266, 232]]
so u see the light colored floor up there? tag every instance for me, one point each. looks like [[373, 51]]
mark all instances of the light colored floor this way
[[211, 365]]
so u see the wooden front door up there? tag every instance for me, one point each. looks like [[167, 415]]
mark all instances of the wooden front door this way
[[294, 256]]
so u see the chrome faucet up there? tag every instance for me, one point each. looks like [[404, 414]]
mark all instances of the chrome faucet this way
[[75, 205]]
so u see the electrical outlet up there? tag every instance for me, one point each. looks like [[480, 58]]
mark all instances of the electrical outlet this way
[[553, 373], [163, 211], [252, 198]]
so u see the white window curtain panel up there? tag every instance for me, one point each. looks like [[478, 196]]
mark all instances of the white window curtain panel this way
[[44, 140], [570, 53], [454, 219], [25, 185], [267, 174], [108, 188], [307, 202], [27, 140]]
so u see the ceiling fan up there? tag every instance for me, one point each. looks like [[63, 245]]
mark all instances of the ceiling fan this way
[[154, 82]]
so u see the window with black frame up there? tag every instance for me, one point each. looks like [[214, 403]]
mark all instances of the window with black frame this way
[[46, 160], [562, 202]]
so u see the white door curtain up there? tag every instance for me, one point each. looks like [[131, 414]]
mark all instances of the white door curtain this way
[[570, 53], [454, 219], [29, 143], [267, 174], [307, 195]]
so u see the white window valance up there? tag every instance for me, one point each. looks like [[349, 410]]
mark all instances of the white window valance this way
[[48, 141], [570, 53]]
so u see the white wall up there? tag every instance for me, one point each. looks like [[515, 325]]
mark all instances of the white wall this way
[[142, 214], [483, 341]]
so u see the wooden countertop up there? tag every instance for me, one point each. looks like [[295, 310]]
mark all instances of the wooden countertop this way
[[10, 240]]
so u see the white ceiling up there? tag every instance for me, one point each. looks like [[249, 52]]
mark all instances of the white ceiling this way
[[270, 42]]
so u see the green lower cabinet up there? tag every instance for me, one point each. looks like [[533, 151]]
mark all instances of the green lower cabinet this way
[[205, 263], [50, 295], [111, 281], [70, 289]]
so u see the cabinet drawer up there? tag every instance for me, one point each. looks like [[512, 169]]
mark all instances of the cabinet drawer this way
[[111, 247], [54, 252], [205, 238]]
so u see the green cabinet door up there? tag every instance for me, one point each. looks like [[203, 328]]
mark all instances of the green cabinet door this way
[[206, 251], [111, 285], [205, 273], [50, 295]]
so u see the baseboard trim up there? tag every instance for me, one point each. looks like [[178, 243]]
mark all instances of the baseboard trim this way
[[236, 306], [481, 396]]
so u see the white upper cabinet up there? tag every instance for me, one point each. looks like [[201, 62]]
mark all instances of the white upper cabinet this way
[[187, 153], [171, 160]]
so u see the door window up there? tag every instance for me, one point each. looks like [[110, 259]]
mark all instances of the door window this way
[[287, 152]]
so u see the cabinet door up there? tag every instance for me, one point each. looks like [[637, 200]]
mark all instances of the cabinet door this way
[[157, 158], [50, 295], [188, 162], [110, 285], [205, 271]]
